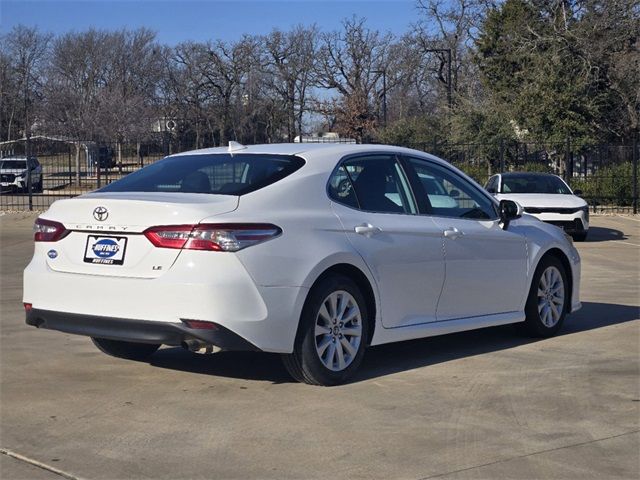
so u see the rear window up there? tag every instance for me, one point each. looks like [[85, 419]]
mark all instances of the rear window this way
[[219, 174]]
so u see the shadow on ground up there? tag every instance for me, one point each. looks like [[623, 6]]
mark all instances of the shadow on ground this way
[[397, 357], [601, 234]]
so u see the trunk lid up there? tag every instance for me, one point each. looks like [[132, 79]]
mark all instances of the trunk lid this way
[[106, 230]]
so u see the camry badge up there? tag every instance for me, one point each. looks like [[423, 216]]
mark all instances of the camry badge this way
[[100, 214]]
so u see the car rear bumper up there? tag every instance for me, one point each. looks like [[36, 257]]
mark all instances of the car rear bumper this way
[[199, 286], [141, 331]]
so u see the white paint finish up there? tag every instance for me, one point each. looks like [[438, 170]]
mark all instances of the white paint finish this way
[[259, 292], [540, 200], [544, 200], [406, 259], [486, 269]]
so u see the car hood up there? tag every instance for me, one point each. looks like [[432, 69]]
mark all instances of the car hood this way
[[543, 200]]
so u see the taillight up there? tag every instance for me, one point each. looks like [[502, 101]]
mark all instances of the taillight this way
[[201, 324], [48, 231], [228, 237]]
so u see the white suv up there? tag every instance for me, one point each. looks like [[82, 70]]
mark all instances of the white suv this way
[[14, 173], [546, 197]]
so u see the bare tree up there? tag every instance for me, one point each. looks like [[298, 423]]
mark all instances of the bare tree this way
[[24, 55], [449, 25], [126, 104], [352, 62], [290, 62]]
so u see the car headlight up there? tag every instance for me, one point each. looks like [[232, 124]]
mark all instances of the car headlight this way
[[585, 209]]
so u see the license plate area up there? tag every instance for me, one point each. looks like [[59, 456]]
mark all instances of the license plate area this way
[[105, 250]]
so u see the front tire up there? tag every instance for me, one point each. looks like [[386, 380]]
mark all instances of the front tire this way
[[126, 350], [333, 333], [548, 299], [579, 237]]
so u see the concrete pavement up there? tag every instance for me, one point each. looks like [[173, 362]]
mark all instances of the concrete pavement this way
[[483, 404]]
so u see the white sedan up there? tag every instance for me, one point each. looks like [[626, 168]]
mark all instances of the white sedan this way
[[314, 251], [546, 197]]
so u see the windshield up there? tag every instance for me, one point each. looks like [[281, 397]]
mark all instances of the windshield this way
[[220, 174], [13, 164], [533, 184]]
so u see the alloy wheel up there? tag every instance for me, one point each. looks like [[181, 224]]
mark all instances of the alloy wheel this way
[[550, 296], [338, 330]]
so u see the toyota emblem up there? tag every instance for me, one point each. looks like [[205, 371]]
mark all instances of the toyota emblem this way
[[100, 214]]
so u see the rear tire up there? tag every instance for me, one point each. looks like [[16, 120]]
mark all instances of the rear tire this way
[[579, 237], [333, 333], [548, 299], [127, 350]]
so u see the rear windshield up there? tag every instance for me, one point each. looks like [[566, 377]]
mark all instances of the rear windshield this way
[[13, 164], [220, 174], [533, 184]]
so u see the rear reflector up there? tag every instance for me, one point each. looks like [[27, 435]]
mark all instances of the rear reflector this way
[[48, 230], [200, 324], [27, 307], [227, 237]]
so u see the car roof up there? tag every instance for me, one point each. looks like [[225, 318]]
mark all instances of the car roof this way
[[14, 158], [312, 152], [531, 174]]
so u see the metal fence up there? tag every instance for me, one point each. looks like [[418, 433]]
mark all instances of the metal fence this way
[[606, 174], [67, 169]]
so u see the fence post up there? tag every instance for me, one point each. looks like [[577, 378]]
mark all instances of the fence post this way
[[29, 186], [98, 172], [568, 171], [501, 155], [635, 173]]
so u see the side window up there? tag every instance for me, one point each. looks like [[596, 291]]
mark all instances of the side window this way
[[450, 195], [378, 182], [492, 185], [341, 189]]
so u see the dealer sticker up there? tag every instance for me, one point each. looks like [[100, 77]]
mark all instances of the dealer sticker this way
[[105, 250]]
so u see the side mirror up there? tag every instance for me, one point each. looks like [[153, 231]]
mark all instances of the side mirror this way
[[577, 192], [454, 193], [509, 210]]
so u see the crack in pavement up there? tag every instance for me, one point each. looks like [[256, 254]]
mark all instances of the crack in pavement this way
[[38, 464], [437, 475]]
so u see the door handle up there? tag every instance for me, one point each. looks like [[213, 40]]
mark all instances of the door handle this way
[[367, 229], [452, 233]]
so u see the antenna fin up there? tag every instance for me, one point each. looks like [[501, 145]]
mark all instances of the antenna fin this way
[[234, 146]]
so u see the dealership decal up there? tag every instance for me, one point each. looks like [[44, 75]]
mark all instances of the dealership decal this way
[[105, 250]]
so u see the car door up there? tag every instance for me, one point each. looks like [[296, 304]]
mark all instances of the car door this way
[[485, 266], [373, 200]]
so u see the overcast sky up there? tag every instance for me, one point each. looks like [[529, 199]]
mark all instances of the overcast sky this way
[[176, 21]]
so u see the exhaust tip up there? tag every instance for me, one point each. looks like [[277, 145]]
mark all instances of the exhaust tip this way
[[198, 346]]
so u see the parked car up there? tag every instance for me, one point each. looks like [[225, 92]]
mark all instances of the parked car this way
[[267, 248], [102, 155], [546, 197], [14, 174]]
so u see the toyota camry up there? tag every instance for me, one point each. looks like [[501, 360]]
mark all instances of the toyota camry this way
[[313, 251]]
